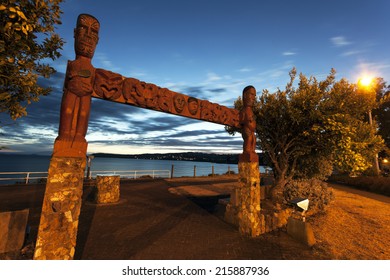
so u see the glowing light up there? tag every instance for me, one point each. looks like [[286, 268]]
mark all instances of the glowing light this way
[[385, 160], [366, 81]]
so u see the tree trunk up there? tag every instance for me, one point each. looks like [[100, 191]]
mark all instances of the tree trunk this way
[[277, 191], [281, 167]]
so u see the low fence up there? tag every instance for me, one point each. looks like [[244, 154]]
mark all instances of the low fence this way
[[132, 174], [176, 171], [202, 170], [22, 177], [40, 177]]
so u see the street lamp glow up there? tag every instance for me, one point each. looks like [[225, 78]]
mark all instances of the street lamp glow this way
[[366, 81]]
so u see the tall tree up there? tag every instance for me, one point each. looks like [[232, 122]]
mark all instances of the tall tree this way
[[382, 112], [308, 129], [27, 41]]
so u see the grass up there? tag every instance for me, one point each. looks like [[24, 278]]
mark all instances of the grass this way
[[356, 226]]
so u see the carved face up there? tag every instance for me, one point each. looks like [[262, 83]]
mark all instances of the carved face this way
[[86, 35], [179, 102], [249, 96], [193, 105], [225, 116], [108, 84]]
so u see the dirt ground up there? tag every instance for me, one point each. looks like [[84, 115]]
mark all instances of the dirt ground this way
[[356, 225]]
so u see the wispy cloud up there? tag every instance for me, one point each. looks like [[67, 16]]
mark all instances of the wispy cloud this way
[[288, 53], [340, 41], [352, 52], [245, 70], [374, 68], [101, 60], [212, 77]]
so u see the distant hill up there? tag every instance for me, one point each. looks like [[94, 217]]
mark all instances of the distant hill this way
[[188, 156]]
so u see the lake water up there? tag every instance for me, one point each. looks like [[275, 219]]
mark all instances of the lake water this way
[[30, 163]]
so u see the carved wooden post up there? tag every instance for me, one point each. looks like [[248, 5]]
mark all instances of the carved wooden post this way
[[62, 201], [244, 207]]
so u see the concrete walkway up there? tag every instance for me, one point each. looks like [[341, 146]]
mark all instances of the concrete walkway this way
[[155, 219]]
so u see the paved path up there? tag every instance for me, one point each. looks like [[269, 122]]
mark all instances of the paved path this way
[[153, 222]]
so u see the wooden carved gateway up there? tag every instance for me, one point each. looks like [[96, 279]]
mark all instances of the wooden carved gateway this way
[[62, 201], [130, 91]]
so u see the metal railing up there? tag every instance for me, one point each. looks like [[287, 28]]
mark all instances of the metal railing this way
[[27, 176], [133, 174]]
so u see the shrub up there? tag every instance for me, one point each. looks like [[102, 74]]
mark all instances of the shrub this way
[[316, 191]]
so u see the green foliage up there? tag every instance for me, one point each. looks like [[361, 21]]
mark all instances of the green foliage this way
[[308, 129], [355, 142], [318, 193], [382, 112], [289, 128], [27, 41], [313, 166]]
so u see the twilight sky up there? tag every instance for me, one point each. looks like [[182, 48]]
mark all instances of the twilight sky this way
[[209, 49]]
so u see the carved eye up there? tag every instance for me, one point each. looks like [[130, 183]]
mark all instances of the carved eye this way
[[95, 27], [82, 28]]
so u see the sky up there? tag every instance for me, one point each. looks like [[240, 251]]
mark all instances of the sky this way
[[209, 49]]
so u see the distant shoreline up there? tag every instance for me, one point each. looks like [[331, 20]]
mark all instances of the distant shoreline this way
[[185, 156], [188, 156]]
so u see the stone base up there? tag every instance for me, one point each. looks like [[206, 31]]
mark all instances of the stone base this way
[[244, 209], [244, 206], [231, 214], [301, 231], [273, 219], [61, 209], [107, 189], [13, 230], [268, 220]]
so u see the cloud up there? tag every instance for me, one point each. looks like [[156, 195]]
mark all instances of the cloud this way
[[101, 61], [55, 81], [288, 53], [218, 90], [245, 70], [120, 125], [195, 91], [212, 77], [351, 52], [340, 41], [377, 69]]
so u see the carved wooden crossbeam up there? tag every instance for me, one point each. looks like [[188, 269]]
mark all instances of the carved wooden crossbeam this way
[[114, 87]]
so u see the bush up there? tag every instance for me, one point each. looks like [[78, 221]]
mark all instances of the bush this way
[[316, 191]]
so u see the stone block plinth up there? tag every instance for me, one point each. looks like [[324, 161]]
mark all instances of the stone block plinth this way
[[273, 219], [107, 189], [244, 206], [12, 230], [61, 209], [301, 231], [244, 209]]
